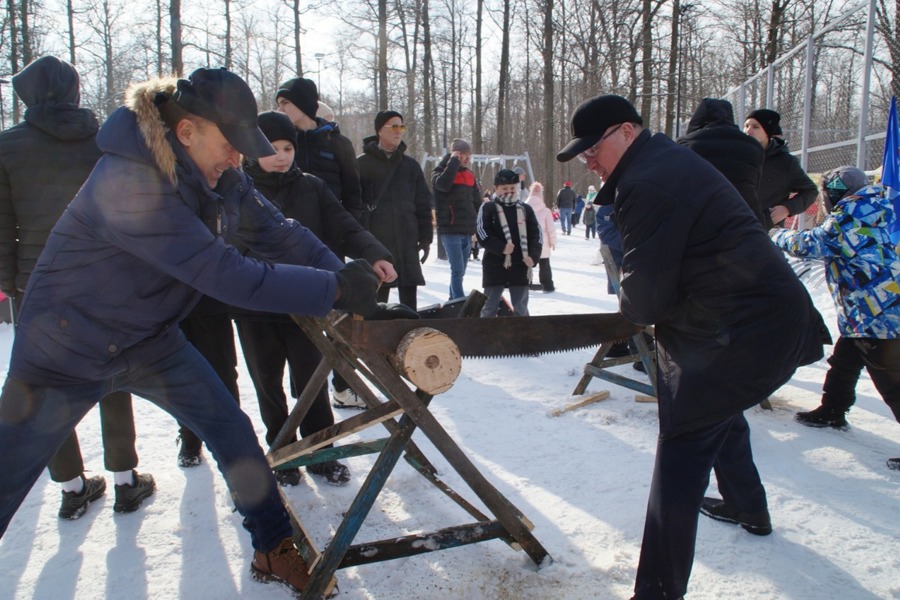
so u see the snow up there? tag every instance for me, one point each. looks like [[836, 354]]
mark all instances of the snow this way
[[582, 478]]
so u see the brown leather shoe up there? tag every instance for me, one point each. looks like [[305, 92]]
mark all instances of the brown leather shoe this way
[[283, 564]]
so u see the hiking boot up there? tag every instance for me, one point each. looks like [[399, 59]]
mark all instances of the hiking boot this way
[[189, 455], [347, 399], [74, 504], [894, 464], [130, 497], [824, 416], [757, 523], [287, 477], [334, 472], [283, 564]]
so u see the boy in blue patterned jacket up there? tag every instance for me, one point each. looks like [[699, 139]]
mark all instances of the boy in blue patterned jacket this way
[[863, 273]]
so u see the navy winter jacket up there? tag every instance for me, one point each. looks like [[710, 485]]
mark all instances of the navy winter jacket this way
[[140, 243]]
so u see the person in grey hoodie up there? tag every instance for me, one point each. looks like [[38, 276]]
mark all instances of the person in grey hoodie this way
[[43, 161]]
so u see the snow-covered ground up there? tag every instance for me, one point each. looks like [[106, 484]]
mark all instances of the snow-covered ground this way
[[581, 478]]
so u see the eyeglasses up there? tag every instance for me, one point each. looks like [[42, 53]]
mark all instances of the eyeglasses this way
[[397, 127], [593, 150]]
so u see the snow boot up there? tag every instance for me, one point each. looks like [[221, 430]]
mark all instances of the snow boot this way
[[283, 564], [893, 463], [189, 454], [287, 477], [824, 416], [757, 523], [334, 472], [130, 497], [74, 504]]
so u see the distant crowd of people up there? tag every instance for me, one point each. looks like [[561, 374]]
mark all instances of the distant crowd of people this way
[[132, 251]]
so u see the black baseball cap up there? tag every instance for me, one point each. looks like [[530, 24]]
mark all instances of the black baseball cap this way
[[220, 96], [592, 118]]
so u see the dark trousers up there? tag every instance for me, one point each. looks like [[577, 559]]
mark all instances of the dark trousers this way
[[545, 274], [881, 358], [35, 421], [267, 345], [590, 230], [405, 293], [117, 431], [213, 336], [680, 479]]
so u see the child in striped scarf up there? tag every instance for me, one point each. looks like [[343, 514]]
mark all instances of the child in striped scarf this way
[[511, 237]]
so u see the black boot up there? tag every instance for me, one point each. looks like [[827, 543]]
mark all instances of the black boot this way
[[824, 416]]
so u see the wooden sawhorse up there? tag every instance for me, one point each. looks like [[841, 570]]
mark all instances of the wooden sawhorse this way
[[411, 406], [599, 365]]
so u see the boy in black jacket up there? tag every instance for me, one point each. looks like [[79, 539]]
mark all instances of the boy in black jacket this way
[[268, 340], [511, 237]]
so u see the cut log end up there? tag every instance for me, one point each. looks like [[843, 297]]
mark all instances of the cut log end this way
[[429, 359]]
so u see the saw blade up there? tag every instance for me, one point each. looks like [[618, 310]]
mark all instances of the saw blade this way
[[497, 337]]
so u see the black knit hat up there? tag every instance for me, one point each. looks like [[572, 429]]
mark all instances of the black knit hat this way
[[505, 177], [768, 119], [592, 118], [385, 116], [303, 93], [277, 126], [220, 96]]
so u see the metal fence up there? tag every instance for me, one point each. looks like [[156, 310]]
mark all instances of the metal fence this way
[[833, 96]]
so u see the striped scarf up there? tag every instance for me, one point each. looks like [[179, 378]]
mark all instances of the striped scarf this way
[[513, 200]]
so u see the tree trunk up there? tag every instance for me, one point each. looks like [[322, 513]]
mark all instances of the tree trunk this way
[[70, 20], [478, 134], [427, 80], [503, 99], [776, 23], [674, 63], [14, 65], [25, 33], [382, 56], [177, 46], [298, 61], [228, 50], [646, 59], [549, 138]]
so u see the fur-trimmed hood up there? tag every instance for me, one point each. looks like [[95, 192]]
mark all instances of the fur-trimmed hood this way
[[141, 115]]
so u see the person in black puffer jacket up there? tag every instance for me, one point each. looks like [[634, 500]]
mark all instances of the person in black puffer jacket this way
[[44, 160], [269, 340], [713, 134], [399, 215], [321, 149], [785, 190]]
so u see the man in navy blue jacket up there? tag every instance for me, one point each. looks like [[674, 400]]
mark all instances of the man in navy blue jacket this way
[[732, 324], [158, 224]]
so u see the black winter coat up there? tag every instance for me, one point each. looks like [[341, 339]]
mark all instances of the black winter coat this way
[[732, 320], [565, 198], [401, 218], [43, 162], [782, 175], [713, 135], [328, 155], [492, 239], [457, 197], [307, 199]]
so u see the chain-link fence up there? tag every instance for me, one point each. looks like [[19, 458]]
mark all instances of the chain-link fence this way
[[833, 112]]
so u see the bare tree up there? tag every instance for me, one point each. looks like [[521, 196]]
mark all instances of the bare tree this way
[[503, 86], [177, 45], [478, 134]]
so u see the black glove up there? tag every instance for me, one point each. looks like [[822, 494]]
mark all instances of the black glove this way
[[424, 249], [389, 312], [358, 283]]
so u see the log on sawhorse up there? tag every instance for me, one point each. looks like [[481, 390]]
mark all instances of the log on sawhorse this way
[[405, 411], [600, 364]]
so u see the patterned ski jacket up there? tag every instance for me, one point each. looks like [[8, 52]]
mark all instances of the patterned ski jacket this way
[[861, 265]]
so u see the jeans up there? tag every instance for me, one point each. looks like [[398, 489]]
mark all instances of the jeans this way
[[35, 420], [565, 220], [590, 230], [518, 295], [458, 247], [680, 478]]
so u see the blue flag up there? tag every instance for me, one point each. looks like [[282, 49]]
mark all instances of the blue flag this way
[[890, 168]]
